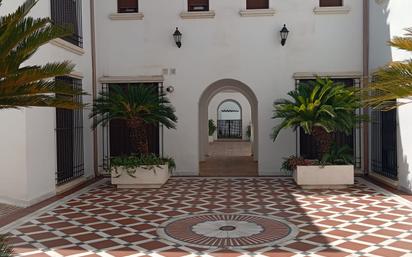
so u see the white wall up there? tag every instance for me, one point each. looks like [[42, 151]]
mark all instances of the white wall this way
[[28, 156], [389, 18], [218, 99], [247, 49]]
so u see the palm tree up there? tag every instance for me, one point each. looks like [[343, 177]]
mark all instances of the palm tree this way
[[31, 85], [5, 249], [393, 81], [137, 105], [319, 108]]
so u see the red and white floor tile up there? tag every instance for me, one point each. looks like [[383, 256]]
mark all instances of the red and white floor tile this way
[[219, 217]]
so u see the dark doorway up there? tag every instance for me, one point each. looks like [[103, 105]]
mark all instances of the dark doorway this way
[[119, 134]]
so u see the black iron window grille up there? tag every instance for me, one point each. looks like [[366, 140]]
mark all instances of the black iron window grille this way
[[229, 129], [384, 143], [306, 144], [68, 13], [69, 139]]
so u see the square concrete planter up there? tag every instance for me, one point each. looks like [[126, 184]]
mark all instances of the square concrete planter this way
[[329, 176], [211, 139], [154, 177]]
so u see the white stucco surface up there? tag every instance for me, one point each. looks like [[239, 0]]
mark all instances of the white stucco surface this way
[[28, 148], [389, 19], [228, 46]]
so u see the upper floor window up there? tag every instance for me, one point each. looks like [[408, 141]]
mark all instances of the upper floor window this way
[[330, 3], [257, 4], [68, 13], [127, 6], [198, 5]]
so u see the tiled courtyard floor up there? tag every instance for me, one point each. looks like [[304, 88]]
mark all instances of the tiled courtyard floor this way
[[101, 221]]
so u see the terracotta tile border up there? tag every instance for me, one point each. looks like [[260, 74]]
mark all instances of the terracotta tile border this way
[[16, 215]]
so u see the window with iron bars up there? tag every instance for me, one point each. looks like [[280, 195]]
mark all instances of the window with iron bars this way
[[68, 14], [69, 138]]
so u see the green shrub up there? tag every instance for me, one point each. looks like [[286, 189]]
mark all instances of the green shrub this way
[[130, 163], [212, 127]]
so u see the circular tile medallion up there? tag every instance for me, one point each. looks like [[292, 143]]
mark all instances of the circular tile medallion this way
[[227, 230]]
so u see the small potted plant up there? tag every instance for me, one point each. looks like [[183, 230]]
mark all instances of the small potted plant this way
[[212, 130], [138, 105]]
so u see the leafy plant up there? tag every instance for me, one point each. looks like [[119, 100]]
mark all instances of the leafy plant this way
[[148, 162], [290, 164], [338, 155], [212, 127], [319, 108], [5, 249], [249, 131], [393, 81], [138, 105], [23, 85]]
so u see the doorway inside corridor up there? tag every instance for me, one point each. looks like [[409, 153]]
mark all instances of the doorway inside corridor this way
[[230, 148]]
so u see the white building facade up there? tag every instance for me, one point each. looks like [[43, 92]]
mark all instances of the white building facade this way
[[230, 45]]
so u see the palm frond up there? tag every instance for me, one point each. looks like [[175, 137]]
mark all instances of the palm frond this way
[[25, 86], [133, 102], [321, 103]]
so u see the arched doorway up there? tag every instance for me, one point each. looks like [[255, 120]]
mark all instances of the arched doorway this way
[[229, 120], [214, 89]]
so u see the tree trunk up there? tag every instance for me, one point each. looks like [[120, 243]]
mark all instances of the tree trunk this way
[[323, 140], [138, 136]]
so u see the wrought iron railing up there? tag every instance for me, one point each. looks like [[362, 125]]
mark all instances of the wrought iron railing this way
[[68, 14], [69, 139]]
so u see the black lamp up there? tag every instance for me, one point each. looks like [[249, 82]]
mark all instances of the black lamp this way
[[178, 37], [284, 35]]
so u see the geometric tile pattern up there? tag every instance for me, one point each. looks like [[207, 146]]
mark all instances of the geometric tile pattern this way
[[103, 221], [7, 209], [228, 231]]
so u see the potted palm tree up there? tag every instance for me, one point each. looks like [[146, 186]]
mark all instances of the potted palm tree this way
[[320, 108], [138, 105], [212, 130]]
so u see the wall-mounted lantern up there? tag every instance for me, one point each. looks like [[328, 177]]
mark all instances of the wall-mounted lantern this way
[[284, 34], [170, 89], [178, 37]]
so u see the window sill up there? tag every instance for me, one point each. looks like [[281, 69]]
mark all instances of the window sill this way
[[198, 15], [126, 16], [67, 46], [332, 10], [257, 12]]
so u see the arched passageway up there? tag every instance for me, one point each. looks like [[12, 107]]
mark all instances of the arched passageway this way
[[230, 166]]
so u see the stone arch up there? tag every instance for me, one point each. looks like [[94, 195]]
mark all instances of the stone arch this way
[[207, 95]]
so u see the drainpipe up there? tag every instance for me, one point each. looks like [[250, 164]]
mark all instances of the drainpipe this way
[[94, 84], [365, 82]]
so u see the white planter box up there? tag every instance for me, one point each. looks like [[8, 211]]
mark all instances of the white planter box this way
[[211, 139], [329, 176], [144, 178]]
